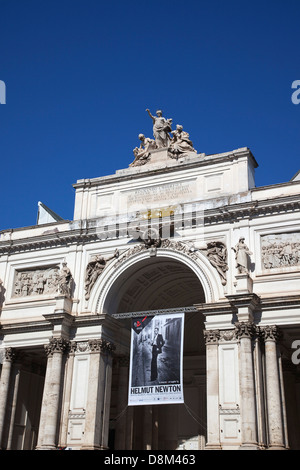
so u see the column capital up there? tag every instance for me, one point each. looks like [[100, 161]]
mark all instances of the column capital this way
[[56, 345], [211, 336], [101, 345], [10, 354], [270, 333], [245, 330]]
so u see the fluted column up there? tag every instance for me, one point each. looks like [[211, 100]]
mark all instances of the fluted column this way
[[212, 377], [51, 398], [274, 405], [245, 332], [99, 394], [4, 386]]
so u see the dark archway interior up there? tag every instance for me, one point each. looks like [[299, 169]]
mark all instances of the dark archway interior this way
[[154, 283]]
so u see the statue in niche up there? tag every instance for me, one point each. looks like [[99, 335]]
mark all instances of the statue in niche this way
[[94, 269], [142, 153], [161, 129], [216, 252], [180, 145], [65, 280], [242, 254]]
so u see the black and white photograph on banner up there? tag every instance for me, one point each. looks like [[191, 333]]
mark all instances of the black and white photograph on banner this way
[[156, 356]]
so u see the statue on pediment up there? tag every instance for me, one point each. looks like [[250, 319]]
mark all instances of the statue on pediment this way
[[180, 145], [161, 129], [142, 153]]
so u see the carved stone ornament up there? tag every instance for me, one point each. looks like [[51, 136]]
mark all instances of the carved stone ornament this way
[[10, 354], [245, 330], [56, 345], [280, 251], [270, 333], [216, 253], [94, 269], [37, 282], [101, 345], [211, 336]]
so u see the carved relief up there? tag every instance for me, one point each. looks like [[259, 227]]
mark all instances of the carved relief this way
[[36, 282], [281, 250], [94, 269], [216, 252]]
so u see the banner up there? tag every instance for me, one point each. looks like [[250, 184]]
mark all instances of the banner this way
[[156, 356]]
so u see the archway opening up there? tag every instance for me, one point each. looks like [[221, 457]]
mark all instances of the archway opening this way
[[160, 283]]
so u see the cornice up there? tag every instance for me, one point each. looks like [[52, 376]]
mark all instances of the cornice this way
[[87, 231], [201, 160]]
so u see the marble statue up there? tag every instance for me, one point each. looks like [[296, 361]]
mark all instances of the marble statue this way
[[142, 153], [161, 129], [65, 280], [242, 254], [180, 145]]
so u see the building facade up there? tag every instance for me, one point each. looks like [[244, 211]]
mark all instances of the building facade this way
[[176, 231]]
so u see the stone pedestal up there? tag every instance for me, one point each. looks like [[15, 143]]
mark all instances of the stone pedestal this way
[[243, 284]]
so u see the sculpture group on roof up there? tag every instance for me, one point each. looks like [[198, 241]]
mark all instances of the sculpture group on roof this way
[[177, 142]]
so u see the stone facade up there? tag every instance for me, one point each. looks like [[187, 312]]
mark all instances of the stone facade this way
[[175, 231]]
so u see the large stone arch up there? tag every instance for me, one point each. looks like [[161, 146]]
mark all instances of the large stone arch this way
[[173, 254]]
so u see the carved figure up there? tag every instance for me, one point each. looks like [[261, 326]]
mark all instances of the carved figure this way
[[242, 254], [142, 153], [217, 255], [283, 251], [94, 269], [181, 145], [65, 280], [152, 240], [18, 285], [161, 128]]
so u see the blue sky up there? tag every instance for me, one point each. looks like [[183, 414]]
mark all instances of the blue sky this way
[[79, 75]]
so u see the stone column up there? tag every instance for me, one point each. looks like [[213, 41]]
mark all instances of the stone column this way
[[99, 394], [67, 394], [120, 437], [15, 379], [245, 331], [51, 397], [212, 378], [273, 390], [4, 386]]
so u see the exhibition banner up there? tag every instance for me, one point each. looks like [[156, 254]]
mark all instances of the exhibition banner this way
[[156, 360]]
